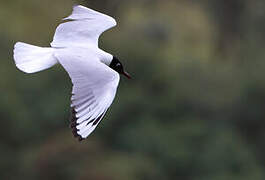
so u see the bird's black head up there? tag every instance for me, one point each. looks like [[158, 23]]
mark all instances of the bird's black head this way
[[117, 66]]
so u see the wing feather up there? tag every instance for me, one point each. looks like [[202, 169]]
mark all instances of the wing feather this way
[[92, 94], [83, 29]]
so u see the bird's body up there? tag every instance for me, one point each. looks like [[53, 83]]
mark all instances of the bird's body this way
[[85, 52], [94, 72]]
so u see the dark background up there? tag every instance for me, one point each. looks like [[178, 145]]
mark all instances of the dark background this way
[[193, 111]]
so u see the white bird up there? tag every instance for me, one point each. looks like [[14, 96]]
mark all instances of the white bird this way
[[94, 72]]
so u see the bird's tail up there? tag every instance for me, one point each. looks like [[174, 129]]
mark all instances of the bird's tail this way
[[30, 59]]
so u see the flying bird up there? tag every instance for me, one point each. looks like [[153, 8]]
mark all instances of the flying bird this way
[[94, 73]]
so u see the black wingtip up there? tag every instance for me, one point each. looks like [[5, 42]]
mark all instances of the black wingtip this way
[[73, 125]]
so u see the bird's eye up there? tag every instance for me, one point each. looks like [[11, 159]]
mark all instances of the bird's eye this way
[[118, 64]]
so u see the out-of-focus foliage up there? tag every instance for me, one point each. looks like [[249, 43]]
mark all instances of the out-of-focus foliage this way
[[193, 110]]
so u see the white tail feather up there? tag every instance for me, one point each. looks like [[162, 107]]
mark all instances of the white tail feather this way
[[30, 59]]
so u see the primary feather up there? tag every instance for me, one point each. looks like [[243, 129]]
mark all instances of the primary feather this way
[[94, 88]]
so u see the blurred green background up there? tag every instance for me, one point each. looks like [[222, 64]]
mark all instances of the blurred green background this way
[[193, 111]]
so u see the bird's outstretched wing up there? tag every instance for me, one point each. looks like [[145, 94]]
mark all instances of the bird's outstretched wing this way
[[94, 88], [83, 28]]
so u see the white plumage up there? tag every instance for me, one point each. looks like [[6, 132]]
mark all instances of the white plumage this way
[[31, 59], [83, 29], [94, 87], [75, 47]]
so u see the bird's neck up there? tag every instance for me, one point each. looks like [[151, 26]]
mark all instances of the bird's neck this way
[[105, 57]]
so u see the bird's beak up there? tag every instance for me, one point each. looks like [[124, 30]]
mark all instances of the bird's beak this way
[[126, 74]]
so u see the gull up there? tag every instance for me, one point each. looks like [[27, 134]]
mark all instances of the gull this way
[[94, 73]]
